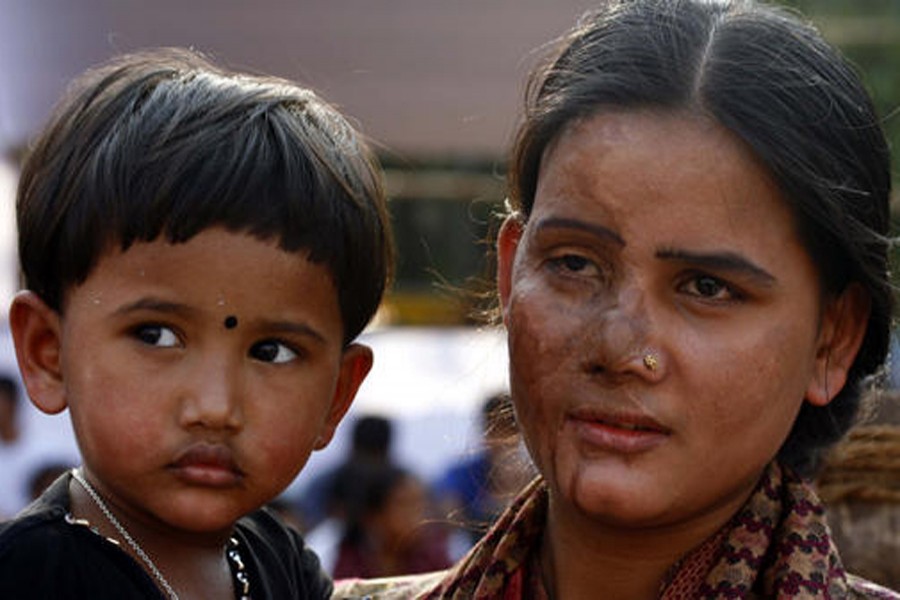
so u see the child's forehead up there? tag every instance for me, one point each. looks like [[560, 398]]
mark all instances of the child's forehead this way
[[217, 283], [212, 246], [209, 244], [215, 266]]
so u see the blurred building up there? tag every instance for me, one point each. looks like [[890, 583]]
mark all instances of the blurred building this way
[[437, 84]]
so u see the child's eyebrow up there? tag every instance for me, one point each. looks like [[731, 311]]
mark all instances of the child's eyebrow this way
[[294, 328], [164, 306], [156, 305]]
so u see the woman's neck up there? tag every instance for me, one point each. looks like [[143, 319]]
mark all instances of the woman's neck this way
[[584, 559]]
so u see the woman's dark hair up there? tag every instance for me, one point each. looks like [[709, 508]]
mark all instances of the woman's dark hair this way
[[163, 144], [788, 95]]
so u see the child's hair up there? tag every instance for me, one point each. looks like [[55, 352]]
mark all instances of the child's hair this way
[[164, 144]]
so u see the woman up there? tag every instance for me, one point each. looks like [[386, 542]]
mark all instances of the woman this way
[[693, 277]]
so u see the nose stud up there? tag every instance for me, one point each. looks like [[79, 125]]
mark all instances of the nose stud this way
[[651, 362]]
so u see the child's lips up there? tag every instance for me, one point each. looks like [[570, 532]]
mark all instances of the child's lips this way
[[207, 464]]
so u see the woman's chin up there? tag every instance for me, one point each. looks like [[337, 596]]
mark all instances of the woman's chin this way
[[629, 501]]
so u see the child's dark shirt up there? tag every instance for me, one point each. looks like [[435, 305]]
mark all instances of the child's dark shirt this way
[[43, 555]]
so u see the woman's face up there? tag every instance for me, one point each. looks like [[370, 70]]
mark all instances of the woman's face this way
[[659, 234]]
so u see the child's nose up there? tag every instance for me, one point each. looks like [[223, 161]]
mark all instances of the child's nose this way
[[213, 398]]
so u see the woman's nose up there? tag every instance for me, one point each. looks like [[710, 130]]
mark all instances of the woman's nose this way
[[621, 336]]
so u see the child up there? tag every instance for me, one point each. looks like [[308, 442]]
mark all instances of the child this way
[[200, 250]]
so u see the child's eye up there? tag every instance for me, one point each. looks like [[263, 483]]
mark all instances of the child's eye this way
[[157, 335], [272, 351]]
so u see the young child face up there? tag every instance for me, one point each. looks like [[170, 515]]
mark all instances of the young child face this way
[[199, 376]]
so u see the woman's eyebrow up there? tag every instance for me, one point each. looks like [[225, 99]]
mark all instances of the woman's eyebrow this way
[[720, 261], [577, 224]]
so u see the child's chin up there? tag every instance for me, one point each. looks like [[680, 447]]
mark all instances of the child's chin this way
[[214, 516]]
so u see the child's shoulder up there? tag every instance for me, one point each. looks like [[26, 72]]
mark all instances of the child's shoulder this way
[[29, 540], [38, 521], [37, 546], [281, 557], [44, 553]]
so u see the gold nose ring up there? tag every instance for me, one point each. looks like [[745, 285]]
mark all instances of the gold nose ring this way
[[651, 362]]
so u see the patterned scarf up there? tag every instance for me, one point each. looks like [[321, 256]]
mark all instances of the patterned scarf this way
[[777, 546]]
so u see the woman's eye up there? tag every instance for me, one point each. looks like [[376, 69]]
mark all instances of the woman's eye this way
[[573, 263], [157, 335], [709, 287], [272, 351]]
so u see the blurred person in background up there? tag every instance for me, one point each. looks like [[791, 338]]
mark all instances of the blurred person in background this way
[[860, 486], [9, 407], [26, 447], [472, 492], [323, 505], [12, 477], [370, 444], [389, 527]]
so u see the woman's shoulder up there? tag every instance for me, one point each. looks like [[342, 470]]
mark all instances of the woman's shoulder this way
[[863, 589], [405, 587]]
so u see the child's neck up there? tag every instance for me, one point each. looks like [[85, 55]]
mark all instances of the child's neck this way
[[183, 567]]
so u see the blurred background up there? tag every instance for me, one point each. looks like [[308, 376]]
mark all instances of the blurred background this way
[[437, 86]]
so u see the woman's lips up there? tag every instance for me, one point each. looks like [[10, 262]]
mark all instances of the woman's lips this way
[[205, 464], [622, 433]]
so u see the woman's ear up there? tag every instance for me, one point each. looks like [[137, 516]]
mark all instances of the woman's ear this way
[[507, 244], [841, 334], [36, 334], [355, 365]]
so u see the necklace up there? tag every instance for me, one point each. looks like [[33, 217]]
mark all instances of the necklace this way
[[234, 557]]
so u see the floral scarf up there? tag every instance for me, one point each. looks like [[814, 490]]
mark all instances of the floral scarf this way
[[777, 546]]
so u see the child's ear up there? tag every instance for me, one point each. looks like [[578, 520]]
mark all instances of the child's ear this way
[[507, 244], [355, 365], [841, 334], [36, 333]]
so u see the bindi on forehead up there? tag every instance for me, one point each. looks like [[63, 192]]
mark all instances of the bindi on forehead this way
[[230, 322]]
